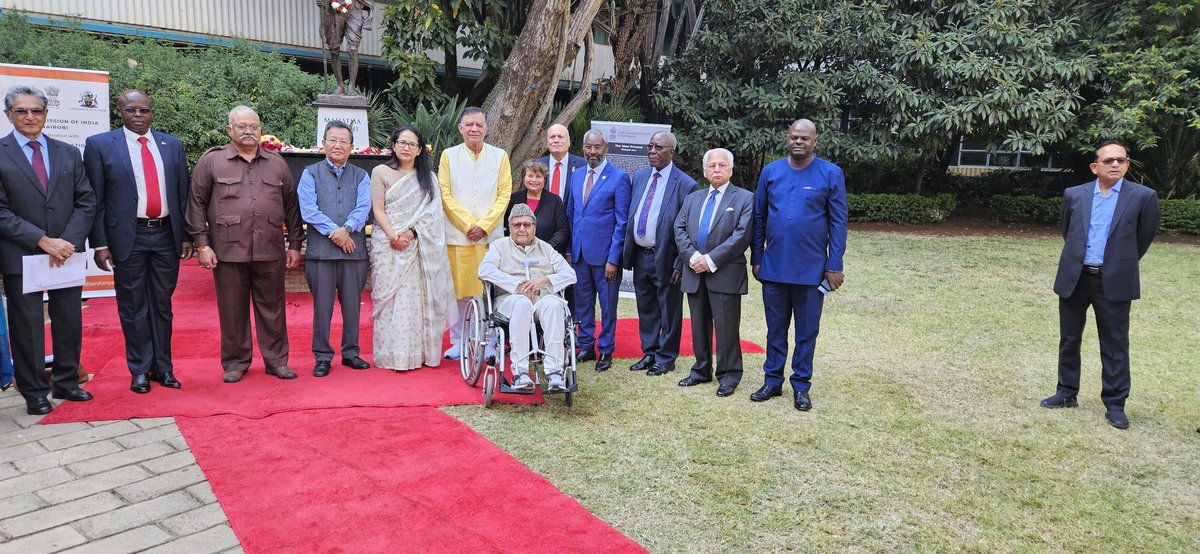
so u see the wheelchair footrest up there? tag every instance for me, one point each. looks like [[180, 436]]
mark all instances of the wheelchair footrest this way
[[573, 388], [506, 389]]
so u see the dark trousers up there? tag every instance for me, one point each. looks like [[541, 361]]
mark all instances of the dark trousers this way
[[783, 302], [238, 283], [723, 311], [1112, 322], [27, 335], [343, 280], [144, 283], [660, 310], [590, 285]]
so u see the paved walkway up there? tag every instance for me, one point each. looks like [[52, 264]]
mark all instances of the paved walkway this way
[[113, 486]]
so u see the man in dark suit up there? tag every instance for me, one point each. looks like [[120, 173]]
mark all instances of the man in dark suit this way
[[712, 233], [1108, 224], [650, 251], [598, 211], [141, 182], [560, 161], [46, 207], [800, 216]]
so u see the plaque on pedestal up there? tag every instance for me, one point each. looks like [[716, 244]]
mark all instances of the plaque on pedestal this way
[[351, 110]]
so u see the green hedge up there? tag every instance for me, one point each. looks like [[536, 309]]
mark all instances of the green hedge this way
[[900, 208], [193, 88], [1178, 216]]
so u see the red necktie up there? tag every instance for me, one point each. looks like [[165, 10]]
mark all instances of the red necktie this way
[[153, 198], [39, 165], [554, 184]]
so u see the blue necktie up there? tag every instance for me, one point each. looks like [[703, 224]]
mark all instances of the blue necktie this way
[[644, 218], [705, 219]]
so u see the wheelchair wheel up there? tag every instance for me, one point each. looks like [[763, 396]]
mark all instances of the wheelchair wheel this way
[[569, 398], [489, 386], [474, 334]]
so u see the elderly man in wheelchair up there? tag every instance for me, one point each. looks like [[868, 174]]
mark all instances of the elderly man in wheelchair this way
[[527, 274]]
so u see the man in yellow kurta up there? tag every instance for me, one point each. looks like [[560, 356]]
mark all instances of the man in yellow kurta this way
[[476, 183]]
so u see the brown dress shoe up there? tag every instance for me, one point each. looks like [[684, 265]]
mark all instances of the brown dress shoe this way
[[282, 372]]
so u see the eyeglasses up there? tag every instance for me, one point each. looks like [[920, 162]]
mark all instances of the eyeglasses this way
[[656, 147], [1114, 161], [22, 112], [338, 142], [248, 127], [405, 145], [138, 111], [521, 224]]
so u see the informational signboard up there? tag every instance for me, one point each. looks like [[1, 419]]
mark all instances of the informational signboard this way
[[77, 100], [627, 142], [627, 150], [356, 118]]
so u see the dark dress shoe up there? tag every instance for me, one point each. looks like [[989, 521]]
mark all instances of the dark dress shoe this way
[[642, 364], [1060, 401], [692, 380], [355, 363], [74, 395], [1116, 418], [140, 384], [767, 392], [234, 376], [321, 369], [282, 372], [166, 379], [585, 356], [658, 369], [604, 362], [38, 406], [726, 390], [802, 402]]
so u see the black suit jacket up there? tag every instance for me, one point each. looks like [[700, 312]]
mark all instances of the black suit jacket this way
[[1134, 224], [27, 212], [551, 213], [666, 254], [573, 162], [110, 172]]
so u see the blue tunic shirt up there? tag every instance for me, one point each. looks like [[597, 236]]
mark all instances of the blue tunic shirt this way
[[799, 222]]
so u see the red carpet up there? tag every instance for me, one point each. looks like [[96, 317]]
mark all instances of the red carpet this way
[[380, 480]]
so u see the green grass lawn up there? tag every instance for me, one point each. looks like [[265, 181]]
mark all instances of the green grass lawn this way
[[926, 434]]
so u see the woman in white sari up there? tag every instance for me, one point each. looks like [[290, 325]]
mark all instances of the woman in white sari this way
[[410, 272]]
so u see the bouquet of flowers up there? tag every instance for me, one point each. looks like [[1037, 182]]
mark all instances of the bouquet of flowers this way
[[341, 6]]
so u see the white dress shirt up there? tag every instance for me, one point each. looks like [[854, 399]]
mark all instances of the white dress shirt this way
[[718, 193], [139, 175]]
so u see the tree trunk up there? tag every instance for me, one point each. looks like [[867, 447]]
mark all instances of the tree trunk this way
[[530, 74], [632, 26]]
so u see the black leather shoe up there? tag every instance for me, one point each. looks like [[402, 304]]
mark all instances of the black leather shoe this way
[[321, 369], [38, 406], [642, 364], [165, 378], [585, 356], [658, 369], [355, 363], [802, 402], [692, 380], [725, 390], [767, 392], [1116, 418], [74, 395], [1060, 401], [604, 362], [140, 384]]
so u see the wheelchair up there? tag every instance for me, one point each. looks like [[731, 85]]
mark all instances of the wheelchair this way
[[484, 325]]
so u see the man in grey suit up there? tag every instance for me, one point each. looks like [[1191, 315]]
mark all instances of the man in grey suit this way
[[712, 232], [335, 200], [650, 251], [46, 207], [1108, 225]]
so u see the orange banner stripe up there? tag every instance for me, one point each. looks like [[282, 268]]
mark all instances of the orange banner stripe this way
[[50, 73]]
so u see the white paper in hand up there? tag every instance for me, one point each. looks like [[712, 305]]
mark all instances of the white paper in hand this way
[[38, 275]]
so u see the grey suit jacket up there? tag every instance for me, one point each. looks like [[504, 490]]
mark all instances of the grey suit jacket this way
[[1134, 224], [729, 236], [27, 212], [677, 187]]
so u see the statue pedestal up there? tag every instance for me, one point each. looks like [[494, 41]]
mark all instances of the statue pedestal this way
[[351, 110]]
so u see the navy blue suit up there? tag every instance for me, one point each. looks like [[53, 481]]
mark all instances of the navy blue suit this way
[[146, 258], [598, 237], [28, 212], [799, 233], [573, 162], [659, 302]]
